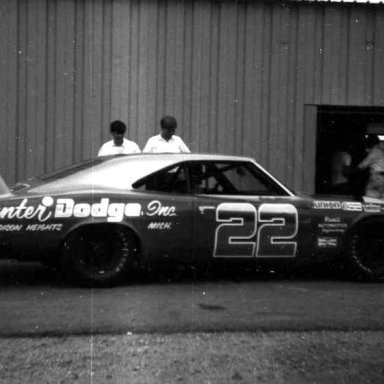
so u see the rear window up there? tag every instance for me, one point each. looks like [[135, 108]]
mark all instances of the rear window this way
[[69, 170]]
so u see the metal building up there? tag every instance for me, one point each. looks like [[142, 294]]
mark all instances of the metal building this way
[[241, 77]]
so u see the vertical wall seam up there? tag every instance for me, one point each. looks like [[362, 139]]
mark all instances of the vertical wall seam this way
[[373, 20], [322, 55], [347, 54], [46, 128], [74, 83], [17, 107], [243, 80], [102, 75]]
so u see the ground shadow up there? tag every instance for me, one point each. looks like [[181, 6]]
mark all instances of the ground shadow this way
[[17, 274]]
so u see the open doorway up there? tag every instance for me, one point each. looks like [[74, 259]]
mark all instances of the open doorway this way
[[344, 130]]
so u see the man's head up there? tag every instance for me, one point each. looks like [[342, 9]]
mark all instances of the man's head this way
[[118, 129], [168, 126]]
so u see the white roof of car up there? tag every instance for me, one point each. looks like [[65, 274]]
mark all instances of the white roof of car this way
[[121, 172]]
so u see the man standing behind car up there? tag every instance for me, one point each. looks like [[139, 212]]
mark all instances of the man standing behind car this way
[[119, 145], [375, 163], [166, 141]]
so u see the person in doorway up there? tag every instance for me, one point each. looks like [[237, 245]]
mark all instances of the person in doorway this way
[[374, 162], [119, 144], [166, 141], [341, 163]]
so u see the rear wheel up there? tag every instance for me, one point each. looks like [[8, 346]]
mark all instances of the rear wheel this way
[[99, 254], [366, 249]]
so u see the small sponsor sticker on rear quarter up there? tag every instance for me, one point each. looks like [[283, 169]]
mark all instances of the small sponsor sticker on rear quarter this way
[[352, 206], [371, 207], [324, 204], [327, 242]]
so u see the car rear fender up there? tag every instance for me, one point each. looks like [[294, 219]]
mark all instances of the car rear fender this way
[[366, 217]]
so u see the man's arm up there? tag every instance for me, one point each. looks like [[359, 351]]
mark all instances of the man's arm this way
[[136, 148], [183, 147], [148, 147], [366, 163]]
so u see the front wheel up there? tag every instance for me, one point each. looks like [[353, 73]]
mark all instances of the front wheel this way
[[366, 249], [99, 254]]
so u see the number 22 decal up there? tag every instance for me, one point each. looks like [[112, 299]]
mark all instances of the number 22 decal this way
[[238, 230]]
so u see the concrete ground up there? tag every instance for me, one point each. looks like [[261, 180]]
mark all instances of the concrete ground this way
[[209, 329]]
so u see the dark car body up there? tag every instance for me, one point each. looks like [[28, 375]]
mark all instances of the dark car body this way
[[184, 207]]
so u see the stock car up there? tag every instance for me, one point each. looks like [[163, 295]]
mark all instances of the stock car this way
[[105, 217]]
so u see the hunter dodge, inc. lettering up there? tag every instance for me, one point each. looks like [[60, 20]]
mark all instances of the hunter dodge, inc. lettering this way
[[44, 227], [28, 212], [114, 212], [64, 208]]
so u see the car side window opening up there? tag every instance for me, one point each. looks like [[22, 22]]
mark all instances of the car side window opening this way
[[211, 178], [228, 178], [172, 180]]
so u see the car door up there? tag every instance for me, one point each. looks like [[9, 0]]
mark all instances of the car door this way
[[240, 213], [167, 222]]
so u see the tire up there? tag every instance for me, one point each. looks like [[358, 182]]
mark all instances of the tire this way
[[100, 255], [366, 250]]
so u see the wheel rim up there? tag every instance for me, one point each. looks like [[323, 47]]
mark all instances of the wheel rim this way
[[100, 251]]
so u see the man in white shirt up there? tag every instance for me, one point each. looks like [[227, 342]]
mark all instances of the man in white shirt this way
[[166, 141], [374, 162], [119, 145]]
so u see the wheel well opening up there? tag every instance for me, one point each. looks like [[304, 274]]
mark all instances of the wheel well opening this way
[[366, 248], [129, 231], [372, 227]]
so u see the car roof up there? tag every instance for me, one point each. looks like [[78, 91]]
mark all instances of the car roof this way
[[177, 157], [106, 172]]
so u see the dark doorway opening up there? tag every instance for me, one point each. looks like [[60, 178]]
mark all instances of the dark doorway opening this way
[[344, 129]]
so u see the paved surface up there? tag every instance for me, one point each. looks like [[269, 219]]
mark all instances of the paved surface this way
[[32, 302]]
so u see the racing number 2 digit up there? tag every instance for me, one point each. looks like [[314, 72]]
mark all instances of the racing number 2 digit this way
[[278, 224], [237, 231], [234, 236]]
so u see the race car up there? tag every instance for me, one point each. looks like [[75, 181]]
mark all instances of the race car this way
[[105, 217]]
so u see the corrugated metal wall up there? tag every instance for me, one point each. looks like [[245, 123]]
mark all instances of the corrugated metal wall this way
[[237, 75]]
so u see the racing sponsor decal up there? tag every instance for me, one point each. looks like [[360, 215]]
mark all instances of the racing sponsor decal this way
[[352, 206], [27, 212], [44, 227], [11, 227], [113, 212], [243, 231], [327, 242], [30, 227], [66, 207], [346, 206], [324, 204], [332, 225], [332, 219], [160, 225], [155, 208], [371, 207]]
